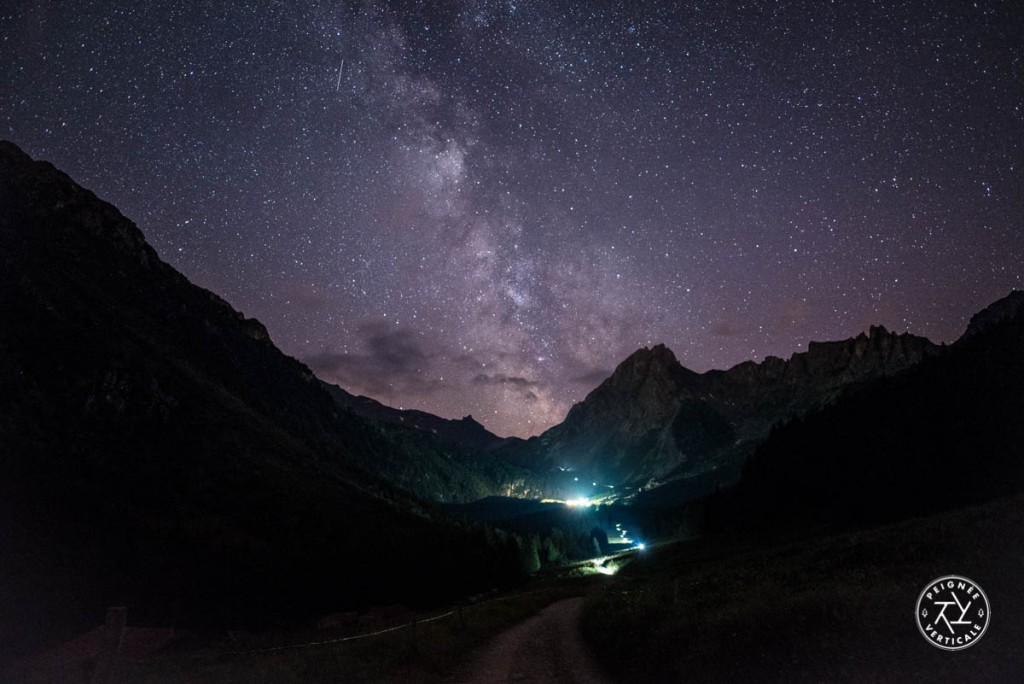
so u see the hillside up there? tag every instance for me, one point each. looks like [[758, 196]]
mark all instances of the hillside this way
[[655, 421], [814, 606], [466, 432], [159, 451], [944, 434]]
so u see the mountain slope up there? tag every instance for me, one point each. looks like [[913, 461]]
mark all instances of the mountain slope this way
[[467, 433], [654, 420], [434, 465], [452, 461], [947, 432], [157, 450]]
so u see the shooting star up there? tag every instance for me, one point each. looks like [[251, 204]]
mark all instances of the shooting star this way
[[341, 70]]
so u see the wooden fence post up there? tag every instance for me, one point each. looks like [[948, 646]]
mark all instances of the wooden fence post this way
[[412, 633], [113, 634]]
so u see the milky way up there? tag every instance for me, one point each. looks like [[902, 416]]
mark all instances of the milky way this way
[[490, 204]]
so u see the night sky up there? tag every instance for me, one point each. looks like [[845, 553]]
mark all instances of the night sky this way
[[482, 207]]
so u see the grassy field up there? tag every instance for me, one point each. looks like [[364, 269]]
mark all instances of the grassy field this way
[[818, 607], [426, 653]]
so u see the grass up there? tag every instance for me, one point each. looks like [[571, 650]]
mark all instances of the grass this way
[[828, 607], [428, 653], [816, 606]]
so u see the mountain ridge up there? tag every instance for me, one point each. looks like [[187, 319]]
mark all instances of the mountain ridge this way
[[653, 419], [945, 433], [465, 431], [158, 451], [1006, 307]]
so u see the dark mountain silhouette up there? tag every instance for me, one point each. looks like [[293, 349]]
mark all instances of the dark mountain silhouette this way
[[435, 458], [1007, 308], [466, 432], [945, 433], [157, 450], [654, 420]]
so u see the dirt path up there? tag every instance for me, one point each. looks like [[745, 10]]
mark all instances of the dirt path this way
[[546, 648]]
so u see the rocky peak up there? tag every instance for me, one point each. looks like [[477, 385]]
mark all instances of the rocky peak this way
[[640, 395], [828, 364], [644, 362], [648, 377], [67, 215], [1008, 307], [653, 416], [878, 351]]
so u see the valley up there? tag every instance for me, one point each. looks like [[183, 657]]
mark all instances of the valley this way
[[163, 459]]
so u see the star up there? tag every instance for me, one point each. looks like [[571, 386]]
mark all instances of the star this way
[[406, 194]]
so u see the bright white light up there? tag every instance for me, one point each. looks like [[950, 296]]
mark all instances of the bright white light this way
[[577, 503], [641, 546]]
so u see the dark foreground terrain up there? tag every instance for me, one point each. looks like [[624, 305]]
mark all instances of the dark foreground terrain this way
[[814, 606], [835, 607], [158, 452], [437, 646], [547, 648]]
